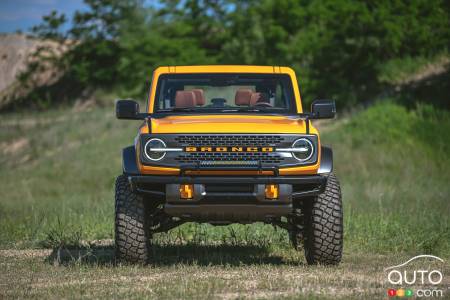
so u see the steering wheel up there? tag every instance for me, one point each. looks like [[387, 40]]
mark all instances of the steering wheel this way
[[263, 104]]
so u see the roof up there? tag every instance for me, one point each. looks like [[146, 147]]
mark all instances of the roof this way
[[224, 69]]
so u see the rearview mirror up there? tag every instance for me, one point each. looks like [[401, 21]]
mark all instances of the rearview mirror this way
[[128, 110], [323, 109]]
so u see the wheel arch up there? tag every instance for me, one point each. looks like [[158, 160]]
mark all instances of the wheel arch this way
[[326, 160], [129, 164]]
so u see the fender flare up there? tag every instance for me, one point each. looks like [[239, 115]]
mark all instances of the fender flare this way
[[129, 164], [326, 160]]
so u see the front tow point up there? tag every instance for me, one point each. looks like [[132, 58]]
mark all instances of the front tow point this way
[[271, 191], [186, 191]]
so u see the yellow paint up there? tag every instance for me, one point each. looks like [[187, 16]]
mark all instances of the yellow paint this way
[[220, 123], [153, 170], [307, 170], [228, 124]]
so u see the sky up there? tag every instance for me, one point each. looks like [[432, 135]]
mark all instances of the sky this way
[[23, 14]]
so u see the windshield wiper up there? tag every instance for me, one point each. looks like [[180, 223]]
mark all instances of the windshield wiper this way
[[206, 109], [178, 109], [250, 109]]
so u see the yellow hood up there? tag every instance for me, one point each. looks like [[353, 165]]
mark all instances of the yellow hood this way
[[229, 124]]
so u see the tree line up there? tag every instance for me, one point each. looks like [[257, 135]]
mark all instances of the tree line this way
[[338, 48]]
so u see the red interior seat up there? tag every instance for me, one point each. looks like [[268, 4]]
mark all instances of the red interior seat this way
[[199, 97], [243, 97], [185, 99]]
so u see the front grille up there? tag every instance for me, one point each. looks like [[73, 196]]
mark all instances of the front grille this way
[[229, 140], [219, 159], [262, 157], [227, 151]]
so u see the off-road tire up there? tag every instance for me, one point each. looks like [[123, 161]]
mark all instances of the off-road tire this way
[[319, 223], [132, 233]]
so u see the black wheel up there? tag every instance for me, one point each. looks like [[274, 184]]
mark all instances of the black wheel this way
[[132, 233], [318, 222]]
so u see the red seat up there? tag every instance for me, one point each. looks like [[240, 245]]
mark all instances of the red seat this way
[[243, 97], [185, 99], [199, 97]]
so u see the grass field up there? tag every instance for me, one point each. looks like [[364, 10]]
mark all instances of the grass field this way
[[57, 172], [194, 272]]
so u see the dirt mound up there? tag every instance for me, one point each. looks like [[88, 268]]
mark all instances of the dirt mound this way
[[16, 55]]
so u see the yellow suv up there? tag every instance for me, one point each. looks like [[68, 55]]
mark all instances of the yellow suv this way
[[222, 145]]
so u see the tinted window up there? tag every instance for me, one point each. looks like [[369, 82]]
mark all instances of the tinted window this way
[[225, 93]]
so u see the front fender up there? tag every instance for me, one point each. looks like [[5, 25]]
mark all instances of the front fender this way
[[129, 164], [326, 160]]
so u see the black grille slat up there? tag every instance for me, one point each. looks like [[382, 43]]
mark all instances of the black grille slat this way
[[229, 156], [229, 140]]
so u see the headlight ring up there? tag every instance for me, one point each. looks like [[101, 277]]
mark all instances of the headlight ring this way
[[305, 149], [154, 143]]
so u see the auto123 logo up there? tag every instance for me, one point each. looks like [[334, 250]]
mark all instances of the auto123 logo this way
[[405, 279]]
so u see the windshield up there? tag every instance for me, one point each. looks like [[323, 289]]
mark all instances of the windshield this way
[[225, 93]]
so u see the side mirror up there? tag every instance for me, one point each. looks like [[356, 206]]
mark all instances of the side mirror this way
[[128, 110], [323, 109]]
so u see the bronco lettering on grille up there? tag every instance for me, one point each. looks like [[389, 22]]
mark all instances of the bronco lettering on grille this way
[[228, 149]]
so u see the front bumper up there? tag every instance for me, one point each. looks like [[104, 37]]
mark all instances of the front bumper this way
[[228, 198], [303, 186]]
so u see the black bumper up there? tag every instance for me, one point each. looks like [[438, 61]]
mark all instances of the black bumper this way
[[308, 185], [228, 198], [314, 179], [228, 212]]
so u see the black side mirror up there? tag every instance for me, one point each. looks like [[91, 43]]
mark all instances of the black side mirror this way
[[323, 109], [128, 110]]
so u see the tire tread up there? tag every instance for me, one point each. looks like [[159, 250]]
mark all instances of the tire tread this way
[[132, 235]]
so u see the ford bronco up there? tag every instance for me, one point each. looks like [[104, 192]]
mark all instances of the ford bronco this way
[[222, 145]]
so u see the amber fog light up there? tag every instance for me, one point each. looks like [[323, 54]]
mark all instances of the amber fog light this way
[[186, 191], [271, 191]]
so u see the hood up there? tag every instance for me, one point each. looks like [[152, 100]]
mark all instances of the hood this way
[[229, 124]]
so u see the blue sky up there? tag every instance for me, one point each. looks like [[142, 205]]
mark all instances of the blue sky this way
[[23, 14]]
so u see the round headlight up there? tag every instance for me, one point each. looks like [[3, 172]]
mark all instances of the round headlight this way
[[304, 149], [153, 149]]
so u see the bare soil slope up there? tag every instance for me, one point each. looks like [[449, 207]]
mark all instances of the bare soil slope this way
[[16, 53]]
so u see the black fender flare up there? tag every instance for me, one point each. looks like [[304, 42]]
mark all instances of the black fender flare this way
[[129, 164], [326, 160]]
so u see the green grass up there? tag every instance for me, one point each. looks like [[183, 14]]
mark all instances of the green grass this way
[[394, 170], [195, 272], [57, 185], [57, 172], [179, 275]]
